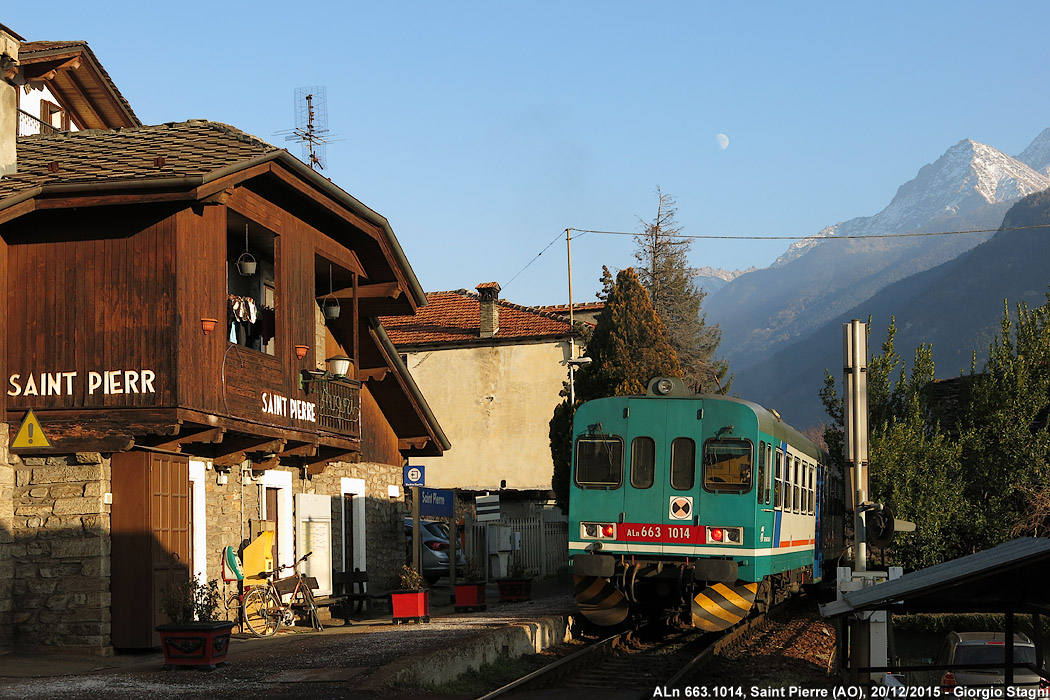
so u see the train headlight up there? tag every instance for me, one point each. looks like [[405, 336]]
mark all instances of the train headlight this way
[[725, 535], [598, 531]]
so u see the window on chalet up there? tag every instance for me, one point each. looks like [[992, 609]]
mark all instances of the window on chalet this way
[[53, 115], [251, 318]]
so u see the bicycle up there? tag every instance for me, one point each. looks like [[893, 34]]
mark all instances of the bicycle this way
[[263, 611]]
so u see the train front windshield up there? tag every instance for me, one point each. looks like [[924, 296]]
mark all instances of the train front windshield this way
[[599, 461]]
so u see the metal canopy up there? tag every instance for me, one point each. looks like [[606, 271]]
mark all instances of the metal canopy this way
[[1009, 578]]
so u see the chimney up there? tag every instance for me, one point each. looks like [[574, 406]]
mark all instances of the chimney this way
[[489, 308], [9, 79]]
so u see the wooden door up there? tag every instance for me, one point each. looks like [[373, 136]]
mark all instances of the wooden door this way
[[271, 517], [151, 541]]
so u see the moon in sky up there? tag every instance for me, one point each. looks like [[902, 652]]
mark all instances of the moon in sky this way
[[723, 141]]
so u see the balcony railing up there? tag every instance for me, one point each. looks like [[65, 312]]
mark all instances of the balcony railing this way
[[29, 125], [338, 403]]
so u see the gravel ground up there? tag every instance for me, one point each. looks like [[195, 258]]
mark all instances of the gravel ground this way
[[337, 663], [796, 650]]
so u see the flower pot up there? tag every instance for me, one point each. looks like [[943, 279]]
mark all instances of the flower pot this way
[[470, 596], [514, 589], [201, 644], [410, 606]]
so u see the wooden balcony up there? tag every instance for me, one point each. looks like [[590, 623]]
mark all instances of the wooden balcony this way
[[338, 403]]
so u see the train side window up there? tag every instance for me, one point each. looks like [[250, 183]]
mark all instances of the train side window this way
[[761, 490], [683, 463], [796, 476], [778, 488], [643, 462], [768, 486], [599, 461], [728, 465], [812, 489]]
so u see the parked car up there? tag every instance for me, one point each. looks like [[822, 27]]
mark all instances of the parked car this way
[[434, 551], [986, 648]]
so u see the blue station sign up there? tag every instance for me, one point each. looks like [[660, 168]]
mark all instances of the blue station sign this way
[[436, 503]]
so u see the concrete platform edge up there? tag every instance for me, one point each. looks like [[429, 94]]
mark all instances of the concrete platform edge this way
[[445, 665]]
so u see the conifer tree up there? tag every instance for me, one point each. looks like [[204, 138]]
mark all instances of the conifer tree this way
[[663, 269], [629, 346]]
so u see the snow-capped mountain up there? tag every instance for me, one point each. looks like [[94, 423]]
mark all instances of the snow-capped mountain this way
[[969, 188], [968, 176], [1037, 155]]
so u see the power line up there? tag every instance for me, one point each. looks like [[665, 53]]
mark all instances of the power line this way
[[815, 238], [776, 238], [556, 239]]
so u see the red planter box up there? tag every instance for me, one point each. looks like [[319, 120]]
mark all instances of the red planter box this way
[[470, 596], [514, 589], [410, 606], [203, 644]]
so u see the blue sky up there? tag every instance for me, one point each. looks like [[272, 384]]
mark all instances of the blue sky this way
[[482, 130]]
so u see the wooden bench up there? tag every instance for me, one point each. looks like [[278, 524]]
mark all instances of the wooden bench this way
[[351, 585], [328, 601]]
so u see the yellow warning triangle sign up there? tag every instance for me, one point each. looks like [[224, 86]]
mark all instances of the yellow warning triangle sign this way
[[30, 434]]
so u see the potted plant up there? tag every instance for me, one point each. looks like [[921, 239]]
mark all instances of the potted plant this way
[[412, 602], [470, 592], [193, 636], [516, 585]]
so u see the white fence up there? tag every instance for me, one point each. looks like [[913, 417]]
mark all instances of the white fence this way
[[535, 547]]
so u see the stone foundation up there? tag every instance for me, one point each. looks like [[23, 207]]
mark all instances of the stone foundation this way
[[59, 551]]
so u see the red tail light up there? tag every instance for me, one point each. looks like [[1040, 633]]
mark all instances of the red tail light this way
[[717, 534], [947, 681], [607, 530], [437, 545]]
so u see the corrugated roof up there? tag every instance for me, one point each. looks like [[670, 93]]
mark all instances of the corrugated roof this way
[[1011, 576], [195, 147], [454, 317]]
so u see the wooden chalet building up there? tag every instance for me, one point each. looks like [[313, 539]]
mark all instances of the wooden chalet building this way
[[163, 399]]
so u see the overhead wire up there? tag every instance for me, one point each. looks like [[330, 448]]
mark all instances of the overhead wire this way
[[773, 238]]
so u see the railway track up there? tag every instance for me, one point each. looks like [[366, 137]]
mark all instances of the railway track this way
[[633, 664]]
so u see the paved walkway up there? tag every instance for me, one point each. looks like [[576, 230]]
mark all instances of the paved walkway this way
[[353, 661]]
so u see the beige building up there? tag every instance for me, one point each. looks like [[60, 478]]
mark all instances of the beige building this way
[[492, 372]]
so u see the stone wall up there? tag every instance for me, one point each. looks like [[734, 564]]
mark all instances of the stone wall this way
[[384, 516], [7, 567], [60, 553]]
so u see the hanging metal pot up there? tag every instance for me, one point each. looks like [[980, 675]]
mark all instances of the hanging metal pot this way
[[331, 307], [246, 264]]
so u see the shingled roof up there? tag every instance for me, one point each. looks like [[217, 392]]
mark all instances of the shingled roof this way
[[454, 317], [143, 153], [177, 156]]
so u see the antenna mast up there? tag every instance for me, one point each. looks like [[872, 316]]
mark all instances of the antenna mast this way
[[311, 124]]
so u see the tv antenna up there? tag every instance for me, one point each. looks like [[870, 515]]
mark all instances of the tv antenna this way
[[311, 124]]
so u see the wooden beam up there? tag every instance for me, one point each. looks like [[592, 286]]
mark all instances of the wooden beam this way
[[205, 435], [389, 290], [413, 443], [71, 202], [20, 209], [373, 374], [229, 182], [307, 450]]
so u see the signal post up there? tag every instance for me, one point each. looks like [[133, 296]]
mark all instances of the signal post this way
[[872, 522]]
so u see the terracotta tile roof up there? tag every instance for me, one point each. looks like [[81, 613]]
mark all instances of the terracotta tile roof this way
[[93, 156], [564, 308], [453, 317]]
